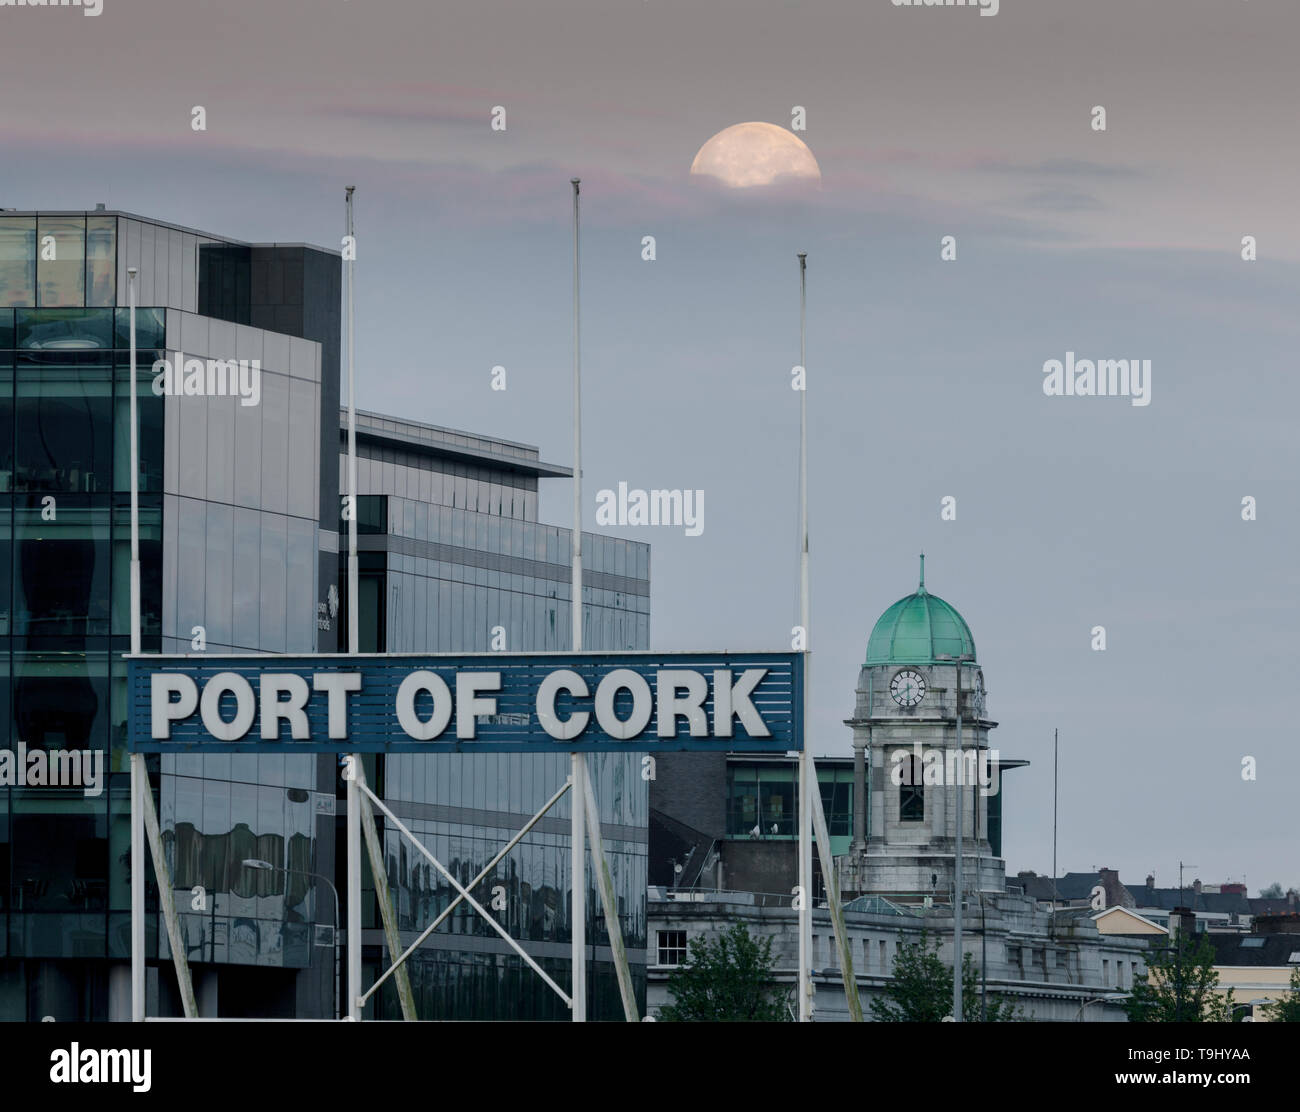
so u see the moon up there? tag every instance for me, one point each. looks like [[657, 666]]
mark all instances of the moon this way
[[752, 154]]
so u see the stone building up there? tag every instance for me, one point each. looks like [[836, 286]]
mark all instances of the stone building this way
[[893, 824]]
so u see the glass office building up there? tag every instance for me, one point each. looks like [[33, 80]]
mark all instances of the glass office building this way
[[232, 553], [453, 559], [239, 506]]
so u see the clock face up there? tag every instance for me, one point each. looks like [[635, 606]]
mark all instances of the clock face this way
[[907, 688]]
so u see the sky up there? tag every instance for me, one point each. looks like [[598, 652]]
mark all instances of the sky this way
[[925, 376]]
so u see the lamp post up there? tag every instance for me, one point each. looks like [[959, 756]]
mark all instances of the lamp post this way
[[264, 866], [958, 880], [1107, 998], [1251, 1004]]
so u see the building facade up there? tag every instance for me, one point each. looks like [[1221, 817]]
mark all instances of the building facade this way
[[453, 559], [232, 555], [238, 388], [892, 815]]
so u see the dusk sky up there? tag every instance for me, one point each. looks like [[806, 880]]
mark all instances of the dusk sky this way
[[925, 376]]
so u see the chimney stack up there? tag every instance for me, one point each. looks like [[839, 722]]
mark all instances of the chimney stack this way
[[1181, 919]]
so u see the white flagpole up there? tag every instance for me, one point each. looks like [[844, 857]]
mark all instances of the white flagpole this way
[[577, 761], [354, 634], [806, 787], [139, 774]]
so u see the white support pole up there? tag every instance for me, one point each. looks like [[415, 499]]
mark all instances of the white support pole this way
[[806, 771], [836, 908], [605, 884], [578, 761], [959, 883], [139, 773], [354, 634], [167, 902], [392, 935]]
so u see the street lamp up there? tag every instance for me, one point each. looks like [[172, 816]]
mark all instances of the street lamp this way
[[958, 884], [1250, 1004], [263, 866], [1107, 998]]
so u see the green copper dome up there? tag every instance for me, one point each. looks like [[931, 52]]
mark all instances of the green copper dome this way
[[918, 629]]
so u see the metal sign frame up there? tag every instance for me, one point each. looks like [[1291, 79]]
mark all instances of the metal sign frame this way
[[366, 719], [579, 702]]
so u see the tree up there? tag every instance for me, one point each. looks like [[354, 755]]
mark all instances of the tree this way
[[920, 989], [1272, 892], [726, 979], [1287, 1009], [1180, 985]]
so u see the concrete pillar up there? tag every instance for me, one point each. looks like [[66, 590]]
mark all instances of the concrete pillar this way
[[859, 794]]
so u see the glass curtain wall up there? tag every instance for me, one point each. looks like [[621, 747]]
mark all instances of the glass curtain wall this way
[[64, 605]]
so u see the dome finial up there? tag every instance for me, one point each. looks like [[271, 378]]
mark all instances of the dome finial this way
[[922, 587]]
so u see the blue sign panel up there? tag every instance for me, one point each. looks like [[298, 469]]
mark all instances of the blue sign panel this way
[[483, 703]]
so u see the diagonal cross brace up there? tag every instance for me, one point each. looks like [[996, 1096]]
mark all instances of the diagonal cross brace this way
[[405, 997], [606, 885], [833, 900], [452, 906], [167, 900], [364, 787]]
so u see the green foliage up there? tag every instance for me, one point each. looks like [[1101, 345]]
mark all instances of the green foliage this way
[[1272, 892], [726, 979], [920, 989], [1287, 1008], [1180, 986]]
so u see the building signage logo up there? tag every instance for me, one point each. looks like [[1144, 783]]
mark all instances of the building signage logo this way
[[494, 702]]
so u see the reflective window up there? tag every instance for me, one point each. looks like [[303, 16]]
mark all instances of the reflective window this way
[[150, 566], [61, 260], [149, 411], [150, 330], [59, 856], [64, 329], [64, 424], [61, 700], [61, 569], [101, 259], [17, 260], [911, 792], [6, 428]]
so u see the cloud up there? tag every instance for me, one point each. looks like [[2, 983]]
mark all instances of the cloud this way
[[1060, 200], [1058, 167]]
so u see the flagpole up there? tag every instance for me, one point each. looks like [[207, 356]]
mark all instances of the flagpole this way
[[354, 640], [577, 761], [806, 787], [139, 773]]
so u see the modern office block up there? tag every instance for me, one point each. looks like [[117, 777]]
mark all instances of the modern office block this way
[[238, 370], [453, 559]]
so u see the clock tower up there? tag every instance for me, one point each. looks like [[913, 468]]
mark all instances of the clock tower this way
[[908, 765]]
